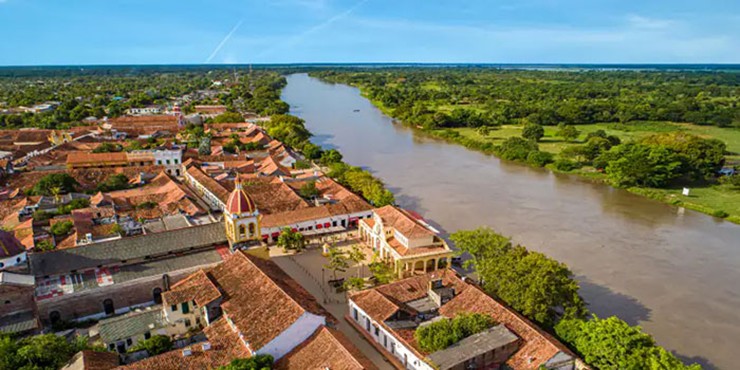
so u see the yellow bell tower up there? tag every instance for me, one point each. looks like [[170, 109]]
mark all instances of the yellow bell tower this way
[[241, 217]]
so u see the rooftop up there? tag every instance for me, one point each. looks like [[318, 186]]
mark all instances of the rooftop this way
[[472, 347], [131, 324]]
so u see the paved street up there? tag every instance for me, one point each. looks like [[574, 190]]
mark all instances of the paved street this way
[[306, 268]]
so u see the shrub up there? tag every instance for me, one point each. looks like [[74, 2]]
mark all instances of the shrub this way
[[256, 362], [563, 164], [516, 149], [446, 332], [539, 159], [720, 213], [155, 345], [61, 228], [309, 190], [533, 131], [64, 182]]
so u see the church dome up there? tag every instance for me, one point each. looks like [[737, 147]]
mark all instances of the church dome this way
[[239, 201]]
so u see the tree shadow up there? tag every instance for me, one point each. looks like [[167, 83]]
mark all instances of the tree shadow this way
[[605, 302], [703, 361], [324, 141]]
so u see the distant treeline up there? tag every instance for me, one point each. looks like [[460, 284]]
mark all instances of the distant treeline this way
[[474, 97]]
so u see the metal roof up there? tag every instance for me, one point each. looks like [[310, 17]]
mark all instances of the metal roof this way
[[132, 324], [472, 346], [115, 251]]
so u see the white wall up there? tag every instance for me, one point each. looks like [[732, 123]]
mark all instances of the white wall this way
[[296, 334], [13, 260], [400, 351]]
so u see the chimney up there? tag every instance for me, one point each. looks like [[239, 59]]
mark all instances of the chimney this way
[[206, 346], [187, 352]]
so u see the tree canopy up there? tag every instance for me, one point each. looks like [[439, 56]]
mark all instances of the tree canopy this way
[[446, 332], [532, 283]]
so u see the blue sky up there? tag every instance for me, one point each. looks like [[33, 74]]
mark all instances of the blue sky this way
[[35, 32]]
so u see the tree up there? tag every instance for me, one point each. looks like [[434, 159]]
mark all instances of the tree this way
[[635, 164], [256, 362], [39, 352], [533, 131], [338, 261], [539, 159], [204, 148], [107, 148], [228, 117], [516, 149], [311, 150], [382, 272], [357, 256], [115, 182], [63, 181], [62, 228], [530, 282], [155, 345], [291, 240], [568, 132], [330, 156], [484, 130], [613, 344], [354, 283], [309, 190]]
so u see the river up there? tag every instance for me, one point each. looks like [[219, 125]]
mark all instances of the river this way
[[676, 273]]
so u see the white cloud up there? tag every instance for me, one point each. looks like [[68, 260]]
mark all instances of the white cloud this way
[[640, 22]]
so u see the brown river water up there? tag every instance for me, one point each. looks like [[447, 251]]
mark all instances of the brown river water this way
[[674, 272]]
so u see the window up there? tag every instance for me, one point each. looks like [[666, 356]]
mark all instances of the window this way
[[111, 346], [242, 231], [385, 341], [377, 331], [7, 302], [157, 295], [147, 335], [367, 324], [174, 308], [168, 161], [159, 161], [252, 229], [129, 342], [354, 313], [176, 160], [108, 307], [185, 307], [187, 323]]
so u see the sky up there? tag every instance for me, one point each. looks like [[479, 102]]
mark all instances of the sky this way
[[54, 32]]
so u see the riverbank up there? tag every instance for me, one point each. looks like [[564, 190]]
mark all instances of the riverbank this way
[[715, 200]]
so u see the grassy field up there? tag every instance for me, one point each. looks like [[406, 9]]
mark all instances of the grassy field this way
[[714, 200]]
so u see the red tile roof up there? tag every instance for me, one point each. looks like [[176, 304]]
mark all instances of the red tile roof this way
[[197, 287], [325, 349], [403, 222], [258, 291], [225, 346]]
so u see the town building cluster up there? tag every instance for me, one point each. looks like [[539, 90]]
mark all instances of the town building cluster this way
[[151, 227]]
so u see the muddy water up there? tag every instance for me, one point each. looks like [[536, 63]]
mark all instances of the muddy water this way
[[675, 273]]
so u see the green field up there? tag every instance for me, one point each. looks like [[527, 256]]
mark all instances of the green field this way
[[709, 199]]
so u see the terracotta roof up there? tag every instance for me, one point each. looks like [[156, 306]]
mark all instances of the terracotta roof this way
[[9, 245], [212, 185], [270, 166], [258, 291], [92, 360], [196, 287], [85, 158], [272, 196], [170, 197], [325, 349], [416, 251], [225, 346], [403, 222]]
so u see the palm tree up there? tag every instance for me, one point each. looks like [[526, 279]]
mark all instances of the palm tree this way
[[357, 256], [56, 191]]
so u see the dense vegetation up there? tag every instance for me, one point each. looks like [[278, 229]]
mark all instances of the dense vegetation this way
[[535, 285], [651, 132], [613, 344], [544, 290], [473, 97], [39, 352], [445, 332]]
